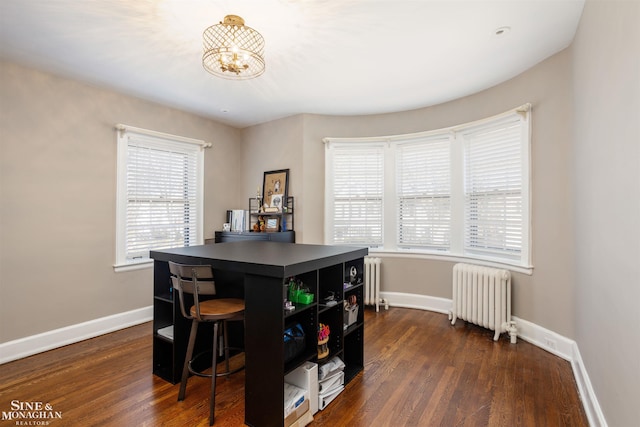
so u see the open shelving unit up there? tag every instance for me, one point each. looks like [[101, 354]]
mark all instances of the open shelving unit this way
[[259, 272]]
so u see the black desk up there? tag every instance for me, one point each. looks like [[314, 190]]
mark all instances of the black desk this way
[[261, 270]]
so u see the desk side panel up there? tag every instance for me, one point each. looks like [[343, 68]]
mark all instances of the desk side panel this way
[[264, 351]]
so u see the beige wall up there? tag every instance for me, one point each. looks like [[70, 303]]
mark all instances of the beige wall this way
[[606, 79], [273, 146], [546, 297], [57, 198]]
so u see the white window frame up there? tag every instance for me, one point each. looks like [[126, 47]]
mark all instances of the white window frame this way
[[369, 194], [456, 134], [159, 141]]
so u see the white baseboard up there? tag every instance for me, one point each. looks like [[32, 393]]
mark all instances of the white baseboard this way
[[588, 395], [23, 347], [547, 340], [421, 302]]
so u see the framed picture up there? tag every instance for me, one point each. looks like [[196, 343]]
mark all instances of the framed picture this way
[[276, 201], [272, 224], [275, 183]]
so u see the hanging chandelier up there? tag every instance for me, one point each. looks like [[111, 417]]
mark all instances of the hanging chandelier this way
[[233, 50]]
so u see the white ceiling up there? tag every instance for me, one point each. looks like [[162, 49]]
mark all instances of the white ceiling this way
[[338, 57]]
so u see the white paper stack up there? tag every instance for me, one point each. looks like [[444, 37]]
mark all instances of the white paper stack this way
[[330, 381], [166, 332]]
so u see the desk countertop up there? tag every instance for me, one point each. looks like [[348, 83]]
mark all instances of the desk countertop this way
[[274, 259]]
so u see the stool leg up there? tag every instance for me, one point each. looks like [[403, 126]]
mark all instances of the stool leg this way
[[187, 359], [226, 347], [214, 362]]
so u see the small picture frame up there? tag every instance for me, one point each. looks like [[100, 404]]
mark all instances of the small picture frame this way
[[275, 183], [276, 202], [272, 225]]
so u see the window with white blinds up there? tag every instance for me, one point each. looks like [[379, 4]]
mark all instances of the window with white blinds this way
[[160, 194], [493, 190], [423, 190], [460, 192], [355, 180]]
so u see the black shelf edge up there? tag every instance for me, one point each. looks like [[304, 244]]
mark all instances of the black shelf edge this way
[[297, 361], [299, 309], [332, 354], [322, 307], [164, 297], [352, 328], [352, 287], [350, 372], [163, 338]]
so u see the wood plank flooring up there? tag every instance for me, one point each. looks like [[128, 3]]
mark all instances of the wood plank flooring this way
[[419, 371]]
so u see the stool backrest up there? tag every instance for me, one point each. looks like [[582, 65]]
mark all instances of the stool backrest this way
[[192, 279]]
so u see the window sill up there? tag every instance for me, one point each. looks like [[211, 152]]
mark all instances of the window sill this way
[[450, 258], [131, 266]]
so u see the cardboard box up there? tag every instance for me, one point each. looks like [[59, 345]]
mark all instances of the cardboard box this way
[[306, 377], [296, 403], [297, 413], [304, 420]]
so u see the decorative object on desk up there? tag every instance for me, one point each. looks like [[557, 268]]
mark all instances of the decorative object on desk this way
[[350, 311], [275, 183], [294, 341], [276, 202], [238, 220], [293, 289], [299, 292], [330, 299], [272, 224], [259, 225], [323, 339], [259, 199], [226, 227], [305, 297], [354, 277]]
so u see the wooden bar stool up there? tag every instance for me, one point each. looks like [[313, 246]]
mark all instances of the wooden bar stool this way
[[197, 280]]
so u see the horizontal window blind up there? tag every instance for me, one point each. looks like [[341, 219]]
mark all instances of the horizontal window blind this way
[[357, 190], [460, 192], [160, 195], [424, 194], [493, 190]]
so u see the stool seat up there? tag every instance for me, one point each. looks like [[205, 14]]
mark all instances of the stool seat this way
[[220, 309]]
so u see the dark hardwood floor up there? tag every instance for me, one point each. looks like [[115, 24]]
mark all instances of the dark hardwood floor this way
[[419, 371]]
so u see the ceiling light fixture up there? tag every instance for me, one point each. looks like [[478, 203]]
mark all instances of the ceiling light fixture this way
[[233, 50]]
